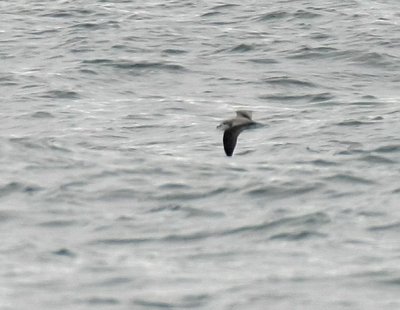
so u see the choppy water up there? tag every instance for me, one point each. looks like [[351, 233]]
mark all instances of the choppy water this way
[[115, 191]]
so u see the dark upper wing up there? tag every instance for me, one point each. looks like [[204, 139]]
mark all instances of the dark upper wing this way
[[230, 139]]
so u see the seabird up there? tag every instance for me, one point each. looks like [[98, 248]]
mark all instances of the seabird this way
[[233, 127]]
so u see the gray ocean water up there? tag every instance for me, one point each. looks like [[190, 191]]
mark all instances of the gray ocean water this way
[[115, 192]]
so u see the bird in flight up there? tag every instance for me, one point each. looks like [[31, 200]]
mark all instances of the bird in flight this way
[[233, 127]]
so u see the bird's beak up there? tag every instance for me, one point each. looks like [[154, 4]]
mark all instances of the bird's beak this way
[[223, 126]]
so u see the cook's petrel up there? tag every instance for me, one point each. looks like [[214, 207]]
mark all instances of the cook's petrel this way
[[233, 127]]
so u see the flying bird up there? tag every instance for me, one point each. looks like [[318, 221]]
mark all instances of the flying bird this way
[[233, 127]]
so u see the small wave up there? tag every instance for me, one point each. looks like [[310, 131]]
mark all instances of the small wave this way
[[305, 14], [146, 65], [346, 178], [323, 163], [393, 226], [396, 191], [117, 194], [68, 13], [125, 241], [174, 186], [392, 280], [350, 151], [152, 304], [288, 223], [17, 187], [86, 25], [189, 211], [44, 32], [189, 195], [64, 252], [39, 144], [314, 219], [218, 10], [388, 149], [42, 114], [61, 94], [174, 51], [273, 16], [242, 48], [286, 81], [377, 159], [310, 98], [212, 13], [307, 52], [6, 216], [136, 127], [130, 65], [58, 223], [365, 103], [283, 190], [295, 236], [264, 60], [97, 61], [353, 123], [96, 26], [375, 59], [224, 6], [87, 71], [8, 81], [191, 301], [59, 14], [99, 301]]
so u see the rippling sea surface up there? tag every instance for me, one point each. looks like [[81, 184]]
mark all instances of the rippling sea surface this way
[[115, 190]]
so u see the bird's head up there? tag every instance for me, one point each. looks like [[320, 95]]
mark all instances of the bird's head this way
[[225, 125]]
